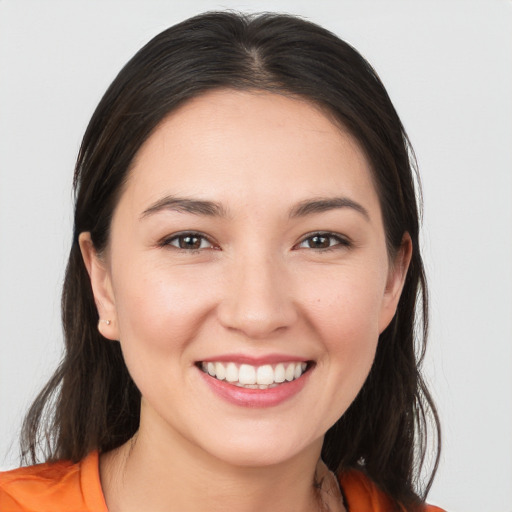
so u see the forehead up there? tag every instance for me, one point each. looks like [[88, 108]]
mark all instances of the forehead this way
[[249, 145]]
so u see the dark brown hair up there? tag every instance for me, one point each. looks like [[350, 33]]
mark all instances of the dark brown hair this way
[[91, 401]]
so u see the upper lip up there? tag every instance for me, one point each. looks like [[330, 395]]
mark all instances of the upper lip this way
[[255, 360]]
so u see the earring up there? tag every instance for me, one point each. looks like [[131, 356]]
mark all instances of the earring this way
[[108, 322]]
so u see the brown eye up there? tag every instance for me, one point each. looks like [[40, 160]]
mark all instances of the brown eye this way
[[319, 242], [323, 241], [189, 241]]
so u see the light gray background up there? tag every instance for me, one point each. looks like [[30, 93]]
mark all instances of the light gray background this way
[[448, 68]]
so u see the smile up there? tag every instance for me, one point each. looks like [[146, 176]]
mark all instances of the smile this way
[[247, 376]]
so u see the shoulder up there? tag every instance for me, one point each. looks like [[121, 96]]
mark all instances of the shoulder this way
[[56, 487], [362, 495]]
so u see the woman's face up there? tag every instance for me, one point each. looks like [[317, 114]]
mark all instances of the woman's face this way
[[246, 277]]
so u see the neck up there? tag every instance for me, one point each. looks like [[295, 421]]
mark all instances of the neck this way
[[148, 475]]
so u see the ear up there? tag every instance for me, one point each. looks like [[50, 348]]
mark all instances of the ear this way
[[101, 287], [395, 282]]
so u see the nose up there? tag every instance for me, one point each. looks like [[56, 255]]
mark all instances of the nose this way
[[258, 299]]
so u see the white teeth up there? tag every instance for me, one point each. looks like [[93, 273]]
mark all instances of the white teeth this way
[[247, 374], [265, 374], [231, 372], [279, 373], [255, 377], [220, 371], [289, 372]]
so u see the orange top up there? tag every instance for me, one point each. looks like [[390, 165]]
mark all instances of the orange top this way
[[67, 487]]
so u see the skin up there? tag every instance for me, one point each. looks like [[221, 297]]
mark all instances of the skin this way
[[257, 285]]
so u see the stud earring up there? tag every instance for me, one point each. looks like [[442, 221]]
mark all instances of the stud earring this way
[[108, 322]]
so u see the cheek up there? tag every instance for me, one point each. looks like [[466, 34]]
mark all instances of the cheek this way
[[346, 306], [159, 313], [350, 340], [161, 308], [345, 313]]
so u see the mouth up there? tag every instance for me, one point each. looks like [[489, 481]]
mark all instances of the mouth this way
[[266, 376]]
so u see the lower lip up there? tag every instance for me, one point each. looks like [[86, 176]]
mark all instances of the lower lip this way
[[255, 397]]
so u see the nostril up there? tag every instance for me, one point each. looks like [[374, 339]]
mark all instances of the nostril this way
[[257, 300], [256, 320]]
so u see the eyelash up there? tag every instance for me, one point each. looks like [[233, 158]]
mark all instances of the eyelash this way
[[187, 234], [340, 241]]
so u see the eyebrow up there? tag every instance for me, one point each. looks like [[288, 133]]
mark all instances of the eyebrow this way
[[184, 205], [323, 204], [214, 209]]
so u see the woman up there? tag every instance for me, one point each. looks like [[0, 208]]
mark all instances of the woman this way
[[240, 298]]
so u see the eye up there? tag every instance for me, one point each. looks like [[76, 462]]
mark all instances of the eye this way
[[323, 241], [188, 241]]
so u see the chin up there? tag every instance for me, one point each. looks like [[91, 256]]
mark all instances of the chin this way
[[263, 451]]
